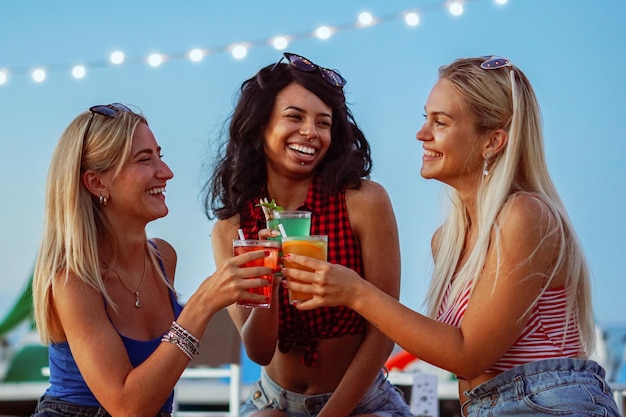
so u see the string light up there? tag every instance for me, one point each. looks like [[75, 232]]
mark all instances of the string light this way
[[155, 60], [412, 19], [117, 57], [39, 75], [196, 55], [455, 8], [79, 71], [239, 50], [324, 32], [366, 19], [280, 42]]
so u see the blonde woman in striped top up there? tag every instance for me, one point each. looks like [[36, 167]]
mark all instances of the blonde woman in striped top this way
[[510, 301]]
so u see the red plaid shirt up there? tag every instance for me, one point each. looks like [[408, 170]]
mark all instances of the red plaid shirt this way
[[302, 329]]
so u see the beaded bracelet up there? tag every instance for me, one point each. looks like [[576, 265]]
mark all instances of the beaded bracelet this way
[[185, 341]]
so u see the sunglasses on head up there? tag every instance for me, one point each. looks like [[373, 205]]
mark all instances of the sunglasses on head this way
[[495, 62], [108, 110], [301, 63]]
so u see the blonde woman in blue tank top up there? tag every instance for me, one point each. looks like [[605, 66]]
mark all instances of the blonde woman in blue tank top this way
[[103, 293]]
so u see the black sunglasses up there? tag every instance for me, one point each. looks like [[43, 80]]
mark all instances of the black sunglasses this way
[[108, 110], [301, 63]]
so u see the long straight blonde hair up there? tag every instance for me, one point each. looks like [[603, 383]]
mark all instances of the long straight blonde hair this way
[[74, 225], [503, 98]]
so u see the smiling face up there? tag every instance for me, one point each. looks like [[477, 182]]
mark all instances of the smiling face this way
[[137, 191], [298, 133], [453, 152]]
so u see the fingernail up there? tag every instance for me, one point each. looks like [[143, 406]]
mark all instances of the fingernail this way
[[287, 256], [267, 253]]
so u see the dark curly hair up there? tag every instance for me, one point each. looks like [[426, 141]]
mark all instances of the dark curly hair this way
[[240, 172]]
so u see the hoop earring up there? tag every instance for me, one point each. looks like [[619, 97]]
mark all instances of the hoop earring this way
[[103, 200], [486, 165]]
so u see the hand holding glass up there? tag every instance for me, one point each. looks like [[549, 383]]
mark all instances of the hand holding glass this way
[[271, 261], [312, 246]]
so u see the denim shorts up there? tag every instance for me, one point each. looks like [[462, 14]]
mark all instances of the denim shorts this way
[[381, 399], [49, 406], [551, 387]]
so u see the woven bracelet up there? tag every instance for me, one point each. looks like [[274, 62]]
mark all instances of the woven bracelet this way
[[178, 329], [184, 340]]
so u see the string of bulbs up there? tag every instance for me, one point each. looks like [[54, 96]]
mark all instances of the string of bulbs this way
[[238, 50]]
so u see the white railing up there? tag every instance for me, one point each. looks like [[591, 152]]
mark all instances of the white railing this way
[[619, 392]]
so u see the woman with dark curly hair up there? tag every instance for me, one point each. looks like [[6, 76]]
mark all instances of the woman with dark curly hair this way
[[293, 139]]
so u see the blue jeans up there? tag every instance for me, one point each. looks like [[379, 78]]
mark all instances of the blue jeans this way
[[551, 387], [49, 406], [381, 399]]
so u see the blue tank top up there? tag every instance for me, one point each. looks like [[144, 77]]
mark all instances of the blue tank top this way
[[66, 381]]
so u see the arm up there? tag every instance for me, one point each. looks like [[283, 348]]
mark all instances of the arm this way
[[101, 355], [373, 221], [496, 311], [258, 327]]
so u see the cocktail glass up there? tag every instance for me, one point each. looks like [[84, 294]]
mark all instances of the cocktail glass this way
[[315, 246], [271, 261], [295, 222]]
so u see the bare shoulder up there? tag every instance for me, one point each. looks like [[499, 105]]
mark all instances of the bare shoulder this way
[[369, 200], [168, 256], [225, 229], [66, 279], [529, 223], [222, 235], [369, 191], [435, 240], [525, 210], [370, 211], [73, 298], [166, 250]]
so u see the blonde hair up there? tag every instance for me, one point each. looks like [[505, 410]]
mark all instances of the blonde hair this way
[[503, 98], [74, 224]]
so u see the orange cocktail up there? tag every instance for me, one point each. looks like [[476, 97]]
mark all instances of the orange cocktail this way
[[315, 246], [271, 261]]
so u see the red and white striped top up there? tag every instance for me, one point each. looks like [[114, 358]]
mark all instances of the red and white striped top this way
[[544, 337]]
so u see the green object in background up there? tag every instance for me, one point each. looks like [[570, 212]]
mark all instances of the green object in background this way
[[21, 311], [27, 364], [28, 361]]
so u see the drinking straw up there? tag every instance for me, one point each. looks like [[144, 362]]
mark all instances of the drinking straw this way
[[282, 230], [241, 235]]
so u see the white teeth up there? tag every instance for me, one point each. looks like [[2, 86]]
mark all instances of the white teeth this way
[[156, 191], [432, 154], [304, 149]]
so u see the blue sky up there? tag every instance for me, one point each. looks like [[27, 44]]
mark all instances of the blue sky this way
[[571, 50]]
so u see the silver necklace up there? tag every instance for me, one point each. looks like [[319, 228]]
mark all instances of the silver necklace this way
[[136, 293]]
